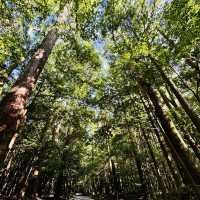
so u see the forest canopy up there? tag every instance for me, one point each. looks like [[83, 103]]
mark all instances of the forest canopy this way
[[100, 97]]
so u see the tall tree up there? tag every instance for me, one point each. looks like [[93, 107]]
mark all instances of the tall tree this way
[[13, 105]]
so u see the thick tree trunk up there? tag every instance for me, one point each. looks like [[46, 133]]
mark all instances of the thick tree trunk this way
[[5, 74], [13, 105], [191, 171]]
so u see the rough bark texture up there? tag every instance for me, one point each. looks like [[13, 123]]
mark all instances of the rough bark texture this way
[[13, 105]]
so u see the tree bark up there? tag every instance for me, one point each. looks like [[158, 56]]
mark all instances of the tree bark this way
[[13, 105], [162, 145], [140, 172], [191, 171], [190, 112], [155, 163], [177, 118]]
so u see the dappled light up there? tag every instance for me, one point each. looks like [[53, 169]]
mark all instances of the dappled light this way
[[99, 100]]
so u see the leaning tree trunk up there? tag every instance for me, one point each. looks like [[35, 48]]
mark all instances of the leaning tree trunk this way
[[13, 105], [5, 74], [162, 145], [190, 112], [182, 171], [187, 135], [191, 171]]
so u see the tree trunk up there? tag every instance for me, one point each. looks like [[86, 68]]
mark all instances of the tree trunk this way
[[140, 172], [13, 105], [191, 113], [5, 74], [162, 145], [155, 163], [58, 185], [191, 171], [177, 118]]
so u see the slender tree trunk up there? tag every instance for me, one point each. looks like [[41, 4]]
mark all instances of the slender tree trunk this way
[[186, 135], [183, 172], [191, 171], [13, 105], [23, 184], [113, 176], [190, 112], [58, 185], [140, 172], [172, 97], [162, 145], [156, 166], [139, 165]]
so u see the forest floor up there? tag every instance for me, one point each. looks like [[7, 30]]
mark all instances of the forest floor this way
[[80, 196]]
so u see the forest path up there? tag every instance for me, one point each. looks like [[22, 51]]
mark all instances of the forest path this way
[[81, 197]]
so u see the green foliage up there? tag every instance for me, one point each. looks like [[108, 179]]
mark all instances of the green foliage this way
[[88, 106]]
